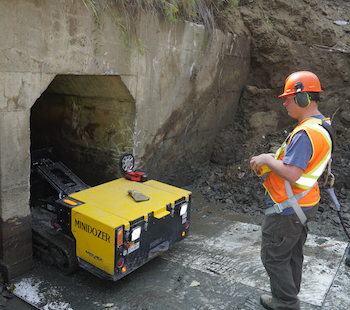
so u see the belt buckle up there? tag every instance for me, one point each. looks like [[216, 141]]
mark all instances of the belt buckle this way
[[277, 208]]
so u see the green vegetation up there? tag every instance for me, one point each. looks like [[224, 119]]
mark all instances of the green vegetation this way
[[207, 12], [268, 20]]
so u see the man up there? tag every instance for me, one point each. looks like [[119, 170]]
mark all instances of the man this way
[[293, 192]]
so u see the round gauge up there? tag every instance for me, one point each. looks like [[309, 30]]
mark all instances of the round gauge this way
[[127, 162]]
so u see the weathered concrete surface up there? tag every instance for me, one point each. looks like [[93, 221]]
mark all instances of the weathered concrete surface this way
[[183, 89], [205, 101], [17, 91]]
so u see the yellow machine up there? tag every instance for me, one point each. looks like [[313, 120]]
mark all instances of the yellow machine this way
[[103, 229]]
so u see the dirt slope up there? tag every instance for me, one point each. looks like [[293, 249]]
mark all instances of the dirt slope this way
[[287, 36]]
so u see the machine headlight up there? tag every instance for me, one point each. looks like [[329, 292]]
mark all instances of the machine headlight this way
[[183, 209], [136, 233]]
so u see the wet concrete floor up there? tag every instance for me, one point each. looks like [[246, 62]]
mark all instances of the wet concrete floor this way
[[217, 267]]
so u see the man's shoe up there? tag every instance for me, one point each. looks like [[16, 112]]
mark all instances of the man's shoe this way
[[266, 302]]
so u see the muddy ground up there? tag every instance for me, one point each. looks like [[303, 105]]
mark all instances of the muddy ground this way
[[287, 36]]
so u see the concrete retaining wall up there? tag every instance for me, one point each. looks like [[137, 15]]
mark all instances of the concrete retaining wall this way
[[180, 93]]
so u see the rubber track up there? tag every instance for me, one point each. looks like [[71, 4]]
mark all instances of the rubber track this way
[[60, 242]]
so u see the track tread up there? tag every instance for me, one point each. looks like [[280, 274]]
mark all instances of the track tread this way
[[59, 243]]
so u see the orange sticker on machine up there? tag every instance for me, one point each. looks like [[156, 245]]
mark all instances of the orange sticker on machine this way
[[120, 237], [70, 202]]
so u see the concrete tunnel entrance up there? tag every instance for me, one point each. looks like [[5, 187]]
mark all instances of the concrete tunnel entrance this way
[[88, 122]]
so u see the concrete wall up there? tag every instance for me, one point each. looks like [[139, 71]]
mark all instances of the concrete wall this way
[[184, 89]]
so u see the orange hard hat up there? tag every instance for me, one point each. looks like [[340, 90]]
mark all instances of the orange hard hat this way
[[301, 81]]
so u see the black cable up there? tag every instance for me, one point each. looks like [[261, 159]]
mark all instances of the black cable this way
[[343, 224], [330, 191]]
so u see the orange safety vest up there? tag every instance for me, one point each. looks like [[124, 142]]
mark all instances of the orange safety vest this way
[[321, 146]]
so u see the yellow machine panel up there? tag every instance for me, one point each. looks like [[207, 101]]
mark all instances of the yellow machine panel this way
[[94, 232], [113, 198], [168, 188]]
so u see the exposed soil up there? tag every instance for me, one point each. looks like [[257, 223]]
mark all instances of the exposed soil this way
[[287, 36]]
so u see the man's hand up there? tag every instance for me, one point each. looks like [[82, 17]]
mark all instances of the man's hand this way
[[260, 160], [287, 172]]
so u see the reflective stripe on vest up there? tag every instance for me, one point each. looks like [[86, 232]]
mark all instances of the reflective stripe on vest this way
[[307, 180]]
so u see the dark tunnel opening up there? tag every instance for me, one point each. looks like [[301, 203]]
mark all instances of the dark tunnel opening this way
[[87, 121]]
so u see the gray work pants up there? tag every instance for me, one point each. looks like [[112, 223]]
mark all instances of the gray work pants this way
[[283, 237]]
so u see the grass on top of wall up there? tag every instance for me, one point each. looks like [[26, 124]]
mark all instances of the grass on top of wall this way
[[211, 13]]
